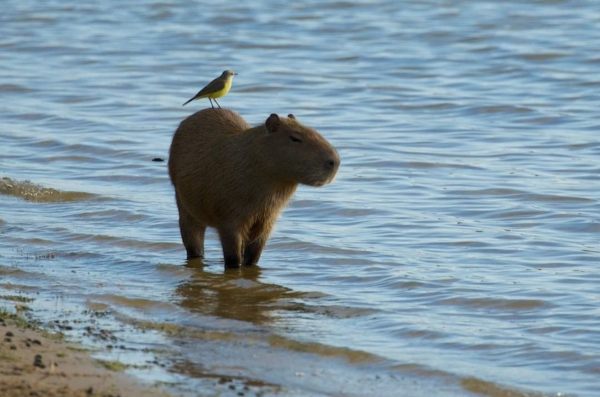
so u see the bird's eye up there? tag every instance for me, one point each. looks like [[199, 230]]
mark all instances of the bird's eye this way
[[295, 139]]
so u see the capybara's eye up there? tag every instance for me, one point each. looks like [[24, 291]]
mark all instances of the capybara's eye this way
[[295, 139]]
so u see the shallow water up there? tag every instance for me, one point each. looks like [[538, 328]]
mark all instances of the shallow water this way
[[457, 247]]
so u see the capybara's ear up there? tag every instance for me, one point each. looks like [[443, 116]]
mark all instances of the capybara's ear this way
[[291, 116], [272, 123]]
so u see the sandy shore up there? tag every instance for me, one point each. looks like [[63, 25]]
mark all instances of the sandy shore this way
[[34, 363]]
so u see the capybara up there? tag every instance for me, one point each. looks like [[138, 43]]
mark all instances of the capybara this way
[[237, 179]]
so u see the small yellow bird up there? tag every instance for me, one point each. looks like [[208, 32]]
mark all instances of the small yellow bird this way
[[216, 88]]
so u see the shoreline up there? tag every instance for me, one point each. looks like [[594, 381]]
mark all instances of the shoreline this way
[[36, 362], [69, 352], [82, 357]]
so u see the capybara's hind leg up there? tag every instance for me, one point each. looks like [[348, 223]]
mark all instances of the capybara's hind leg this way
[[192, 233], [231, 240], [193, 240]]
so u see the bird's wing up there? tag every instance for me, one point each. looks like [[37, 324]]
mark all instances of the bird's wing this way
[[214, 86]]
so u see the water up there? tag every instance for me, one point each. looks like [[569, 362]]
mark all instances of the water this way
[[456, 252]]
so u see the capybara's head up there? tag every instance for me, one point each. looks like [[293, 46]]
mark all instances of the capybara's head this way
[[298, 153]]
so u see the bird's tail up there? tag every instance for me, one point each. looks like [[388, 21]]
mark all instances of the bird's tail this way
[[190, 100]]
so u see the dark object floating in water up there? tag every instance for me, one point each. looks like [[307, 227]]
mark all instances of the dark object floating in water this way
[[158, 159]]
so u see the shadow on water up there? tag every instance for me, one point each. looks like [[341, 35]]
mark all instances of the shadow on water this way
[[235, 294]]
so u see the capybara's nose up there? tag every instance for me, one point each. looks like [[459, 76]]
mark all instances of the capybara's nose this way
[[332, 163]]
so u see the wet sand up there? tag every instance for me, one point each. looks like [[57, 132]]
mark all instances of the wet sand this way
[[34, 362]]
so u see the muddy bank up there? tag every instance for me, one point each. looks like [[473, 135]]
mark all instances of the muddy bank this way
[[35, 362], [43, 358]]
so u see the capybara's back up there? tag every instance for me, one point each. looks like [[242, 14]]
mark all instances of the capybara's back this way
[[199, 133], [237, 179]]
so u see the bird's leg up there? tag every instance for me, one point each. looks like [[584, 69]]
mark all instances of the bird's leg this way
[[211, 105], [217, 103]]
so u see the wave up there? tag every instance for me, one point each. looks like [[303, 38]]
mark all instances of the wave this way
[[33, 192]]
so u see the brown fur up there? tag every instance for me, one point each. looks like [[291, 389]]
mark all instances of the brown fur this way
[[237, 179]]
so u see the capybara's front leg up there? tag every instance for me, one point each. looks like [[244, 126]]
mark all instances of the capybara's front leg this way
[[259, 233], [252, 252], [231, 240]]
